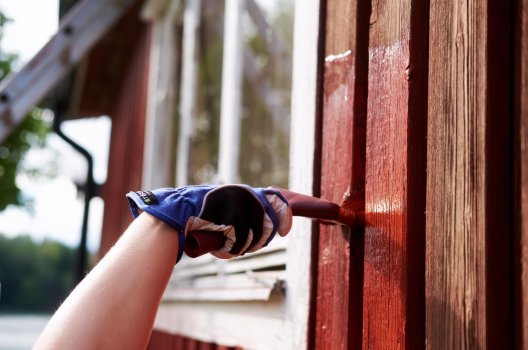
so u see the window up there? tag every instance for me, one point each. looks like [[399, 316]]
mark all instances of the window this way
[[234, 127], [234, 96]]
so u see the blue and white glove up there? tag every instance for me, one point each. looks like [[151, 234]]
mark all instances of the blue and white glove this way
[[248, 217]]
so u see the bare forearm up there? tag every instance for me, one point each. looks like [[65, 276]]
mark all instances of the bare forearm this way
[[116, 304]]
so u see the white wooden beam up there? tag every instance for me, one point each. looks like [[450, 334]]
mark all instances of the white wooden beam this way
[[302, 147], [191, 21], [158, 156], [232, 68], [80, 29]]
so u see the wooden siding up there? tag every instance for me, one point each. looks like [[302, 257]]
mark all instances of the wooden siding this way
[[521, 179], [126, 145], [469, 177], [340, 254], [166, 341], [444, 176], [393, 304], [424, 115]]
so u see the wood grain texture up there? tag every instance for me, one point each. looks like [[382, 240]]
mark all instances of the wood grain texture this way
[[393, 295], [455, 272], [339, 272], [521, 169], [468, 184]]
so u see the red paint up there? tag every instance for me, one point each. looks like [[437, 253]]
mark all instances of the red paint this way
[[126, 145], [165, 341], [386, 198], [394, 201], [342, 171]]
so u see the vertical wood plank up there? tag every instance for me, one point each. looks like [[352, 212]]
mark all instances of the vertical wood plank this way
[[191, 22], [523, 132], [159, 155], [521, 170], [339, 273], [393, 302], [231, 103], [126, 146], [306, 89], [455, 273], [178, 342], [160, 341], [468, 185]]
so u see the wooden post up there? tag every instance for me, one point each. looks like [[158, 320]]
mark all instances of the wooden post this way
[[393, 295], [159, 155], [469, 300], [521, 183], [126, 146], [339, 274], [191, 20], [305, 106], [231, 93]]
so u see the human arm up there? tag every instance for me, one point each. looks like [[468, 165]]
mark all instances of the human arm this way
[[115, 305]]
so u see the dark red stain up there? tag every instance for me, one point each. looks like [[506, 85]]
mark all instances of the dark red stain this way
[[165, 341], [393, 302], [125, 163], [340, 259]]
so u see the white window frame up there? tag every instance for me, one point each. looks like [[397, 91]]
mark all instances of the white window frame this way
[[281, 321]]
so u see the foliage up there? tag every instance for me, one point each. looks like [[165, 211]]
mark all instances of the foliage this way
[[30, 133], [34, 276]]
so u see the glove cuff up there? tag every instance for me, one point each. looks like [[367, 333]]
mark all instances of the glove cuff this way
[[147, 201]]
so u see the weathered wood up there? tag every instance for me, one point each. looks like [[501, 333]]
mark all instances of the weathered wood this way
[[339, 272], [308, 31], [393, 295], [468, 179], [521, 170]]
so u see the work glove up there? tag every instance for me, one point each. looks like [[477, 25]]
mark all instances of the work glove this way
[[248, 217]]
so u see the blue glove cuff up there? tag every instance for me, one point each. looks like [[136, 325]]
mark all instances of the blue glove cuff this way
[[173, 206]]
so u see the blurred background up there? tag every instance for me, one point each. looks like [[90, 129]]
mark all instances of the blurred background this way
[[44, 181]]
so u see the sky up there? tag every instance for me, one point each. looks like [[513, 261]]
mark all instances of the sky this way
[[57, 209]]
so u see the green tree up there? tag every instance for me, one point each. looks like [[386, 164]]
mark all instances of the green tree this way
[[34, 276], [30, 133]]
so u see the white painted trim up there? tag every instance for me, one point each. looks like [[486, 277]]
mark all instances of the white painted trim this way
[[302, 146], [191, 22], [232, 67], [282, 321], [87, 22], [251, 325], [159, 129]]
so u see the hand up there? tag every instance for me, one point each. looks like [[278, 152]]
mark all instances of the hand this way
[[248, 217]]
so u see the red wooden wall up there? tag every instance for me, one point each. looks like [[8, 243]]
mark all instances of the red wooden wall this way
[[128, 113], [424, 119], [422, 109], [165, 341], [126, 147]]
